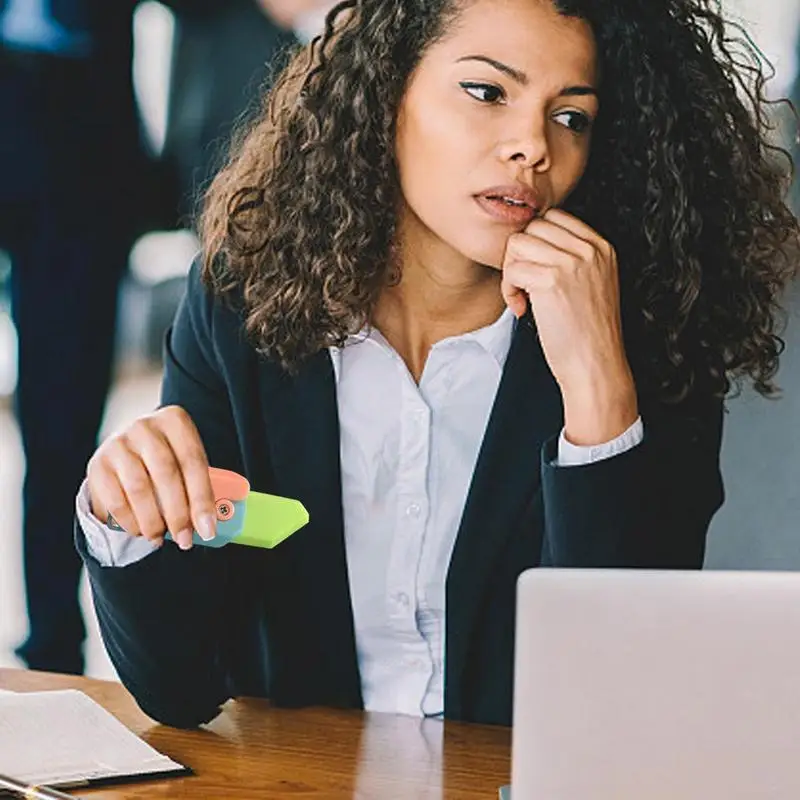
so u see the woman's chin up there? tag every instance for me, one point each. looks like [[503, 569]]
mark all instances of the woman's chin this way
[[486, 251], [487, 257]]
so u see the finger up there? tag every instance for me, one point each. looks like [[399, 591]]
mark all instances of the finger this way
[[516, 299], [565, 240], [139, 491], [109, 503], [524, 279], [575, 226], [160, 462], [524, 247], [191, 456]]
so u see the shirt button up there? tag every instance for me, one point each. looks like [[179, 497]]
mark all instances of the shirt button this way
[[413, 510], [402, 599]]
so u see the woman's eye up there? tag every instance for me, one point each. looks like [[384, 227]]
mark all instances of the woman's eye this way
[[576, 121], [484, 92]]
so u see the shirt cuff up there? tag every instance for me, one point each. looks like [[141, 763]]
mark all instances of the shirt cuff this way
[[572, 455], [108, 547]]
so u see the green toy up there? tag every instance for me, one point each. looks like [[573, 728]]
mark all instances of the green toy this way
[[250, 518]]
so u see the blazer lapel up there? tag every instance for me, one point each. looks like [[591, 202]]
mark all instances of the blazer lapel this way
[[527, 412], [303, 433]]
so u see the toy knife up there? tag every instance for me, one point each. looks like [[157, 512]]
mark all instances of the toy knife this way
[[250, 518], [246, 517]]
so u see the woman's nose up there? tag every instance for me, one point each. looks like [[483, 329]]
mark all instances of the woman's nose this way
[[528, 148]]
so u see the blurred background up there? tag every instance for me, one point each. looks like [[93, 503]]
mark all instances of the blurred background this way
[[197, 66]]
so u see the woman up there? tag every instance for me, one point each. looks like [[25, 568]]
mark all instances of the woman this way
[[474, 288]]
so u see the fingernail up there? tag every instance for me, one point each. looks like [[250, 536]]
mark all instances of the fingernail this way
[[184, 539], [207, 527]]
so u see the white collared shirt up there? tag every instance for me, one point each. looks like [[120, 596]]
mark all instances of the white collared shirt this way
[[408, 452]]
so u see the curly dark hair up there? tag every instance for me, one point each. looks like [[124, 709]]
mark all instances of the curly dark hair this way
[[682, 179]]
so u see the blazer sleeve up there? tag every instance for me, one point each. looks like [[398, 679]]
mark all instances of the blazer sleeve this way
[[649, 507], [161, 618]]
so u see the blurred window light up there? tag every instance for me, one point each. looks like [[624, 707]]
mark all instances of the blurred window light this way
[[774, 26], [153, 37], [162, 255]]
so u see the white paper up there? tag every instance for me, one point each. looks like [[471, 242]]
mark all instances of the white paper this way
[[64, 737]]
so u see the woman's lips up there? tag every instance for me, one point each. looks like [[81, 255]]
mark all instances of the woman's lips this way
[[506, 210]]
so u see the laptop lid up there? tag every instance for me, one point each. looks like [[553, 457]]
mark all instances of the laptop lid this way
[[658, 685]]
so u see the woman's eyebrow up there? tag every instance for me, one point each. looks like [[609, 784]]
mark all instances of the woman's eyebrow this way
[[520, 77], [517, 74], [578, 91]]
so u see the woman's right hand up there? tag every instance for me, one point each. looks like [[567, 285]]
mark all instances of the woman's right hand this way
[[153, 478]]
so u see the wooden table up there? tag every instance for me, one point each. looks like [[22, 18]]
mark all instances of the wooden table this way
[[255, 751]]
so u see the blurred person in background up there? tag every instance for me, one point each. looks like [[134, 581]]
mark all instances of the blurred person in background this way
[[226, 53], [71, 160]]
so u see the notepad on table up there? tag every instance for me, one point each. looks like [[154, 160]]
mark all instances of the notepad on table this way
[[64, 738]]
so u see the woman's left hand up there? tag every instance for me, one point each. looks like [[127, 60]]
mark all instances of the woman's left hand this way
[[569, 273]]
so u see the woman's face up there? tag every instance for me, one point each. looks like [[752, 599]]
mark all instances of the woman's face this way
[[494, 127]]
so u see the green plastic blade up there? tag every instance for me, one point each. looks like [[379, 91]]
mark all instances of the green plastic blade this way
[[270, 519]]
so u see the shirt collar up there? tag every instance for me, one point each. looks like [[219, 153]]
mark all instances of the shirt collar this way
[[495, 339]]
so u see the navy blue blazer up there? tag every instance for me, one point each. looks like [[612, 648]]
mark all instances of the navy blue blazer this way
[[188, 630]]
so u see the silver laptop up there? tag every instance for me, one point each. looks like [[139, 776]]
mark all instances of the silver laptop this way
[[638, 685]]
